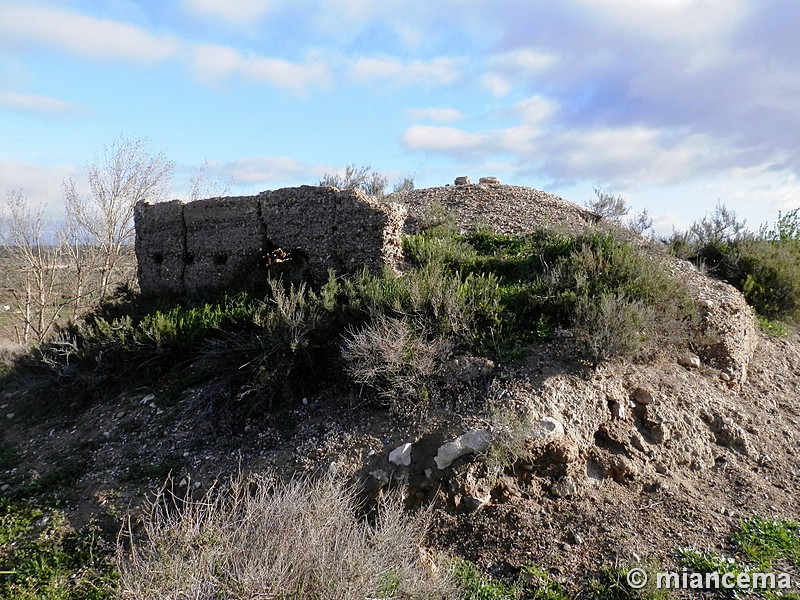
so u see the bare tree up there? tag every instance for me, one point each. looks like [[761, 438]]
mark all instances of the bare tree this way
[[721, 227], [203, 186], [640, 222], [128, 171], [34, 269]]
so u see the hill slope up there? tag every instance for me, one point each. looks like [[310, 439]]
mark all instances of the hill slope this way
[[583, 465]]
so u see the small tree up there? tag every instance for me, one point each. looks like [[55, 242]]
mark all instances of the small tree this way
[[404, 185], [640, 222], [787, 228], [362, 178], [607, 205], [126, 173], [720, 227], [614, 208], [33, 267]]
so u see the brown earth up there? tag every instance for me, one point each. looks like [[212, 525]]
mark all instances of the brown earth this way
[[653, 455]]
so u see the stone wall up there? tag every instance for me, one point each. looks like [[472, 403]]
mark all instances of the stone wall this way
[[191, 247]]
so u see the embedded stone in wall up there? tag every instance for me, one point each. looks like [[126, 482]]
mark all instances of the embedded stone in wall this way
[[160, 239], [224, 237]]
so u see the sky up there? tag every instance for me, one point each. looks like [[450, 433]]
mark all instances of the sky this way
[[677, 105]]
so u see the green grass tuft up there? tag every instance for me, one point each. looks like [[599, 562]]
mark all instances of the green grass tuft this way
[[41, 556], [763, 541]]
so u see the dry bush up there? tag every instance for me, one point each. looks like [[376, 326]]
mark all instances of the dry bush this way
[[265, 539], [611, 326], [391, 358]]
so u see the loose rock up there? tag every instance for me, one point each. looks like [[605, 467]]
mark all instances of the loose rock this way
[[401, 455], [564, 487], [642, 396], [546, 427], [690, 361], [471, 442]]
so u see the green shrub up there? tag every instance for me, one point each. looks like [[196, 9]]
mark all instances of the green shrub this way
[[427, 249], [770, 277], [764, 267], [616, 298], [611, 325]]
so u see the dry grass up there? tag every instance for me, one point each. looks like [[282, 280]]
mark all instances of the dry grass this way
[[264, 539], [391, 358]]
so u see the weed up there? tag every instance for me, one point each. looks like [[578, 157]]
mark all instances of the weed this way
[[510, 433], [771, 327], [533, 583], [763, 541], [391, 358], [541, 586], [263, 538], [477, 586], [711, 563], [43, 557]]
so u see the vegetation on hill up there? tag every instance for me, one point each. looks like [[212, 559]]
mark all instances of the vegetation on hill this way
[[480, 293], [383, 336], [764, 266]]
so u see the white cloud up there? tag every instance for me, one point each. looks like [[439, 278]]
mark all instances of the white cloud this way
[[524, 61], [215, 63], [437, 72], [22, 24], [36, 104], [438, 115], [674, 20], [536, 110], [449, 140], [498, 85], [265, 169], [37, 183], [506, 68], [238, 11]]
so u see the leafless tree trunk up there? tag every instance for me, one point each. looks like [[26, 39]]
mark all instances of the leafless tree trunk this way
[[126, 173], [34, 264]]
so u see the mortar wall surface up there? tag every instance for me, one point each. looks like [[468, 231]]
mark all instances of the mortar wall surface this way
[[207, 244]]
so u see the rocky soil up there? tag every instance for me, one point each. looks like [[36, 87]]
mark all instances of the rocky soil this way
[[565, 465]]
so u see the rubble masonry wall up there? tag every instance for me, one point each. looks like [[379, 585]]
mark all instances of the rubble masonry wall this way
[[186, 248]]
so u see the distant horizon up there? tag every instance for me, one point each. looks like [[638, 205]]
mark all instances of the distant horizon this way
[[676, 105]]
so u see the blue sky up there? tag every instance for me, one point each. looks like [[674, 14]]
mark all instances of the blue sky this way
[[675, 104]]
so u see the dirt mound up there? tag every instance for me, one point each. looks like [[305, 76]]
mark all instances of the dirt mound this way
[[625, 461], [727, 336]]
